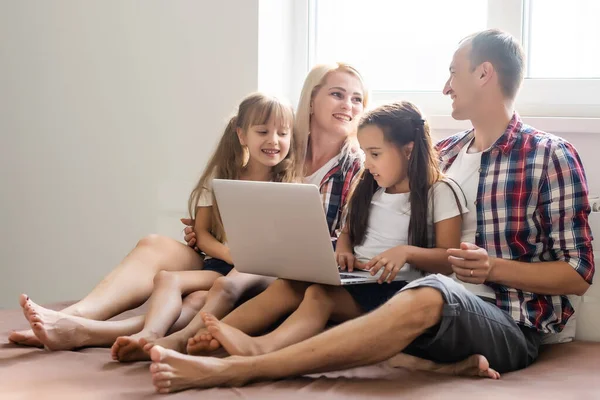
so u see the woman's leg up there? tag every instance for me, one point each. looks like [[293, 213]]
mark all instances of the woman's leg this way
[[130, 283], [165, 306], [257, 314], [58, 331], [221, 299], [320, 304]]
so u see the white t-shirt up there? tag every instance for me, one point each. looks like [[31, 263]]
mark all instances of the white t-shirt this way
[[205, 199], [390, 216], [465, 171], [319, 174]]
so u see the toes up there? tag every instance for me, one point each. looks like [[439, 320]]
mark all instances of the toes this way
[[157, 367], [147, 347], [162, 376], [162, 384], [23, 299], [157, 353], [213, 329]]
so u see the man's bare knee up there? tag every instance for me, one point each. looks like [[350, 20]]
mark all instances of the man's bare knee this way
[[425, 303]]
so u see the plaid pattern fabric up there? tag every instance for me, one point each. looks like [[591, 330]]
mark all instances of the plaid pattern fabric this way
[[532, 206], [334, 188]]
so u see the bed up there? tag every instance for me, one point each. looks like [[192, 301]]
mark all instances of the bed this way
[[565, 371]]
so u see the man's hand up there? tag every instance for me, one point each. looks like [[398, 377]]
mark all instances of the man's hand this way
[[391, 261], [470, 263], [190, 235]]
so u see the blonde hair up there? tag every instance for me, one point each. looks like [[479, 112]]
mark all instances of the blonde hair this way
[[313, 82], [230, 157]]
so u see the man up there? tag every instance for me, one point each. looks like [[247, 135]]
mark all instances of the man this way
[[526, 245]]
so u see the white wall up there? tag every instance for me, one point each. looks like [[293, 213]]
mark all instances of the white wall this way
[[108, 110]]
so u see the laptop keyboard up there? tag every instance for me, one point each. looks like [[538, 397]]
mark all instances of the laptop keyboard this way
[[351, 276]]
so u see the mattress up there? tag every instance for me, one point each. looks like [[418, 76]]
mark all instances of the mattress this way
[[563, 371]]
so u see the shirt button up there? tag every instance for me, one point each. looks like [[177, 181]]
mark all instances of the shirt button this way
[[476, 234], [480, 169], [475, 202]]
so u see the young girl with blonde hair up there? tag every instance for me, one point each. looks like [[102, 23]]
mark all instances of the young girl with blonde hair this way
[[257, 144]]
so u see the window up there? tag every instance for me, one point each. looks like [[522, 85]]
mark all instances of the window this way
[[562, 38], [392, 41], [404, 47]]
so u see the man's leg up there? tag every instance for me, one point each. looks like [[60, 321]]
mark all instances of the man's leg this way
[[366, 340], [433, 317]]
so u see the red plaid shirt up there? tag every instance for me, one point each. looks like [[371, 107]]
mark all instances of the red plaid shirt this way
[[335, 187], [532, 206]]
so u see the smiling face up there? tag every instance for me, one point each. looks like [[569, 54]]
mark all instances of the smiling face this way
[[463, 85], [337, 105], [268, 144]]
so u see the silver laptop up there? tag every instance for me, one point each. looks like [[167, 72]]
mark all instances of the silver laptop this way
[[280, 230]]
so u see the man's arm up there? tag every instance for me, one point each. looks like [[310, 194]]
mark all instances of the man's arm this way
[[564, 210]]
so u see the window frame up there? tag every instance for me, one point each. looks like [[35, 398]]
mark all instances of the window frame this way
[[540, 98]]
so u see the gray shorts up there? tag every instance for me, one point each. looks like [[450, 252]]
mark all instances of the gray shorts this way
[[471, 325]]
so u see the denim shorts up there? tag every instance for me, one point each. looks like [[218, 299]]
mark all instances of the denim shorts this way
[[471, 325]]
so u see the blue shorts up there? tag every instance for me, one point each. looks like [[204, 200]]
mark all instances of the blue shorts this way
[[369, 296], [217, 265]]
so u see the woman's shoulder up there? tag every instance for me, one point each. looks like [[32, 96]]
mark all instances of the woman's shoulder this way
[[351, 159]]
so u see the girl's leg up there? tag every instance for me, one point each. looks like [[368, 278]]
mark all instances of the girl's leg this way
[[59, 331], [130, 283], [257, 314], [221, 299], [320, 304], [192, 304], [165, 306]]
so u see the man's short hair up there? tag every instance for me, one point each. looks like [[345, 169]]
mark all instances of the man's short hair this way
[[504, 52]]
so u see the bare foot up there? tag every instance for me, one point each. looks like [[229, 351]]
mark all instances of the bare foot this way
[[55, 330], [25, 338], [475, 365], [131, 348], [173, 371], [236, 342], [202, 343], [176, 342]]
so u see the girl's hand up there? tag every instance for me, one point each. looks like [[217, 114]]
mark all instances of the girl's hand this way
[[391, 261], [345, 260]]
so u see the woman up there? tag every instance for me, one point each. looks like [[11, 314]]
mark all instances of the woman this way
[[332, 101]]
